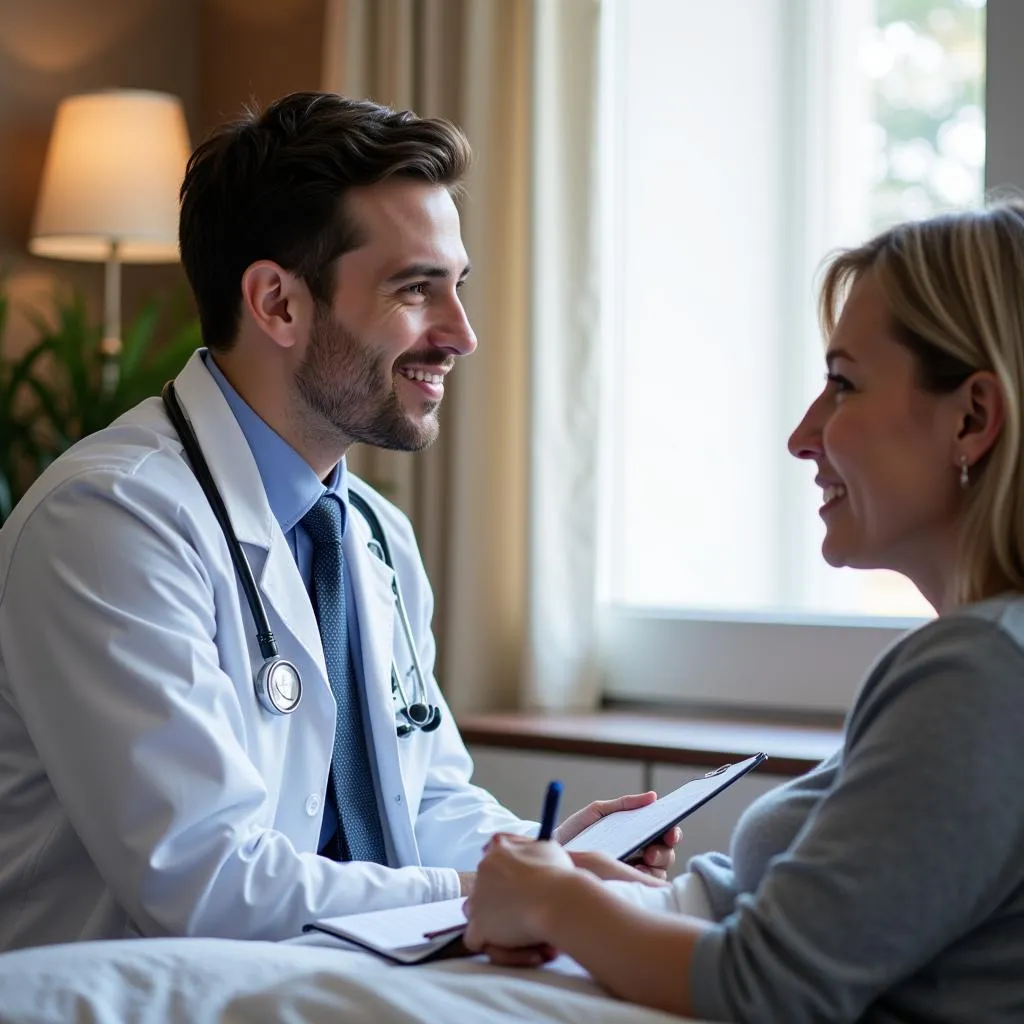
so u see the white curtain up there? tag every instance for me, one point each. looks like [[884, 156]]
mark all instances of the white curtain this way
[[504, 504], [565, 358]]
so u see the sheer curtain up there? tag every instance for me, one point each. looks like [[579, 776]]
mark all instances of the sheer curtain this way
[[565, 358], [504, 502]]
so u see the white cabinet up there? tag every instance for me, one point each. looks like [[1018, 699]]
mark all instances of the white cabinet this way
[[519, 778]]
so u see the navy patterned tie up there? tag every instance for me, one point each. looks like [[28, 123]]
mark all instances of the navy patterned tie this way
[[360, 835]]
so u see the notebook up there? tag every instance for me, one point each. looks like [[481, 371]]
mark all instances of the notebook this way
[[401, 933]]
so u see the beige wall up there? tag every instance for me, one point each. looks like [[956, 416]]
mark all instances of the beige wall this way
[[256, 49], [214, 54]]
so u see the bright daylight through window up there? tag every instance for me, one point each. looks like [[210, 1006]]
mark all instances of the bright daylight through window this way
[[744, 140]]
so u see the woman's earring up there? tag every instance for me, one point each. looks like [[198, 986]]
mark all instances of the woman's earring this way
[[965, 477]]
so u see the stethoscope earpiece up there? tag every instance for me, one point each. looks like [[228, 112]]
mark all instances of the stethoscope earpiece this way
[[421, 716], [418, 713]]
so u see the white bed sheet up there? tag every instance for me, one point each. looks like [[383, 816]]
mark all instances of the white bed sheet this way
[[222, 981], [310, 980]]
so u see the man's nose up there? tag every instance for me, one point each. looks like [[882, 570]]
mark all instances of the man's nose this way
[[454, 332]]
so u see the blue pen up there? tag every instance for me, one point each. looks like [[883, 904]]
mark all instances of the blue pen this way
[[550, 812]]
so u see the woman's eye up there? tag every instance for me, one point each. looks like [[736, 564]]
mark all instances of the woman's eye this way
[[838, 383]]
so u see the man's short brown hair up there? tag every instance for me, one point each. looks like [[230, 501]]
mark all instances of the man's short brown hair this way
[[271, 186]]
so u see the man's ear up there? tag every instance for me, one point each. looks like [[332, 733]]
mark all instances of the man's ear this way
[[277, 302], [982, 413]]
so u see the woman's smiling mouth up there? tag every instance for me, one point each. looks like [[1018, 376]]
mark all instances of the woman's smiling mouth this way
[[833, 494]]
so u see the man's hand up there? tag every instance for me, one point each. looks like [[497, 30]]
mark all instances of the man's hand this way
[[655, 860], [609, 869], [467, 880]]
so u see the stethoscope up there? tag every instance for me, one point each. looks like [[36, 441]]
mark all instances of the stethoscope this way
[[277, 683]]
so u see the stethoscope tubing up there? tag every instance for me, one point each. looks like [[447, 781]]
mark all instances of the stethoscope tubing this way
[[418, 713], [189, 441]]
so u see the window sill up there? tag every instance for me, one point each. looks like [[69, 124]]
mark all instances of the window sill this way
[[633, 736]]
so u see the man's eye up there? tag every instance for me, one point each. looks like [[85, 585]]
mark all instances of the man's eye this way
[[419, 288]]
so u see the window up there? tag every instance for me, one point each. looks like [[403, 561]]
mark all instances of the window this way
[[744, 139]]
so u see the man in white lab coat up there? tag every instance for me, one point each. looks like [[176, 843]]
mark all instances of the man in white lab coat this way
[[146, 787]]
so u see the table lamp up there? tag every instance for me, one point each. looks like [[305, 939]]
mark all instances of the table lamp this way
[[109, 191]]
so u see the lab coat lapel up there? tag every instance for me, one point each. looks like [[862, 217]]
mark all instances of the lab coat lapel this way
[[283, 589], [237, 477], [371, 585]]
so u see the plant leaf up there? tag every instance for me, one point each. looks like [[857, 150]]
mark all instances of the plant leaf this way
[[137, 340]]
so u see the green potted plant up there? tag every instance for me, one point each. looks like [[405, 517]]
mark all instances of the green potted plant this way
[[62, 388], [17, 447]]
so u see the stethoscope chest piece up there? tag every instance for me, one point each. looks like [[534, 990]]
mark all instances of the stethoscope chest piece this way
[[278, 686]]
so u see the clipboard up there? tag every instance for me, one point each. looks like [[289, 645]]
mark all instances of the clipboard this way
[[433, 931], [625, 833]]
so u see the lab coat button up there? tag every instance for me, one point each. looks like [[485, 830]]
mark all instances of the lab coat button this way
[[398, 798], [312, 804]]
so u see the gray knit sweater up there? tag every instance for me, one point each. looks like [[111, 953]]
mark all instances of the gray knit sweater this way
[[887, 885]]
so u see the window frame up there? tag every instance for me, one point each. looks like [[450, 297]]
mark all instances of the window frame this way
[[773, 662], [742, 661]]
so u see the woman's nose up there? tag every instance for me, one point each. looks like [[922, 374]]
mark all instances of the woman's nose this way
[[805, 441]]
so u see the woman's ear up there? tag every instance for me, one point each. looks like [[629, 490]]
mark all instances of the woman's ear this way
[[275, 301], [982, 412]]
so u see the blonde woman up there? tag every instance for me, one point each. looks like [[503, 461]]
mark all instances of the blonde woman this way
[[888, 883]]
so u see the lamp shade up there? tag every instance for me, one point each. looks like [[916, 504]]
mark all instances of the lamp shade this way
[[112, 174]]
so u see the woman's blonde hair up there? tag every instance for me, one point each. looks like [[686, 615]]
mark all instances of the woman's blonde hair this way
[[954, 285]]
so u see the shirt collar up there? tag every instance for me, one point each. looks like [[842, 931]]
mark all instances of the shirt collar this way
[[291, 485]]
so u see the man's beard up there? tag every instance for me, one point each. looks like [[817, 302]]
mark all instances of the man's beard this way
[[346, 385]]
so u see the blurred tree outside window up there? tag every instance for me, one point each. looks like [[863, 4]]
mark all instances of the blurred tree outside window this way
[[926, 65]]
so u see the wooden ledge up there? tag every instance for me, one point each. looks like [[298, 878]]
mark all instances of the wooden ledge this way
[[651, 738]]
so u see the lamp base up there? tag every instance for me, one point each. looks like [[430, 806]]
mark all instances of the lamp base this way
[[110, 364]]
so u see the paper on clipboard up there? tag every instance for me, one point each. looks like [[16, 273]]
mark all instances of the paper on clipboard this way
[[400, 933], [624, 833]]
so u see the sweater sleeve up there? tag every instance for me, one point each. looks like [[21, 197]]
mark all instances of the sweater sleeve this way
[[918, 840], [685, 895]]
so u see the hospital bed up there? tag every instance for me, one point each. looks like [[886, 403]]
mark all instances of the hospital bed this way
[[313, 979], [223, 981]]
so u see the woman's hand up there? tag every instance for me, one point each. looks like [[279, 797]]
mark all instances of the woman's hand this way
[[514, 885]]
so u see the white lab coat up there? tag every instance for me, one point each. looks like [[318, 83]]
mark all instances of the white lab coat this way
[[142, 787]]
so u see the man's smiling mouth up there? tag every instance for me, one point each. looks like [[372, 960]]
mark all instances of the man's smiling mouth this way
[[422, 376]]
